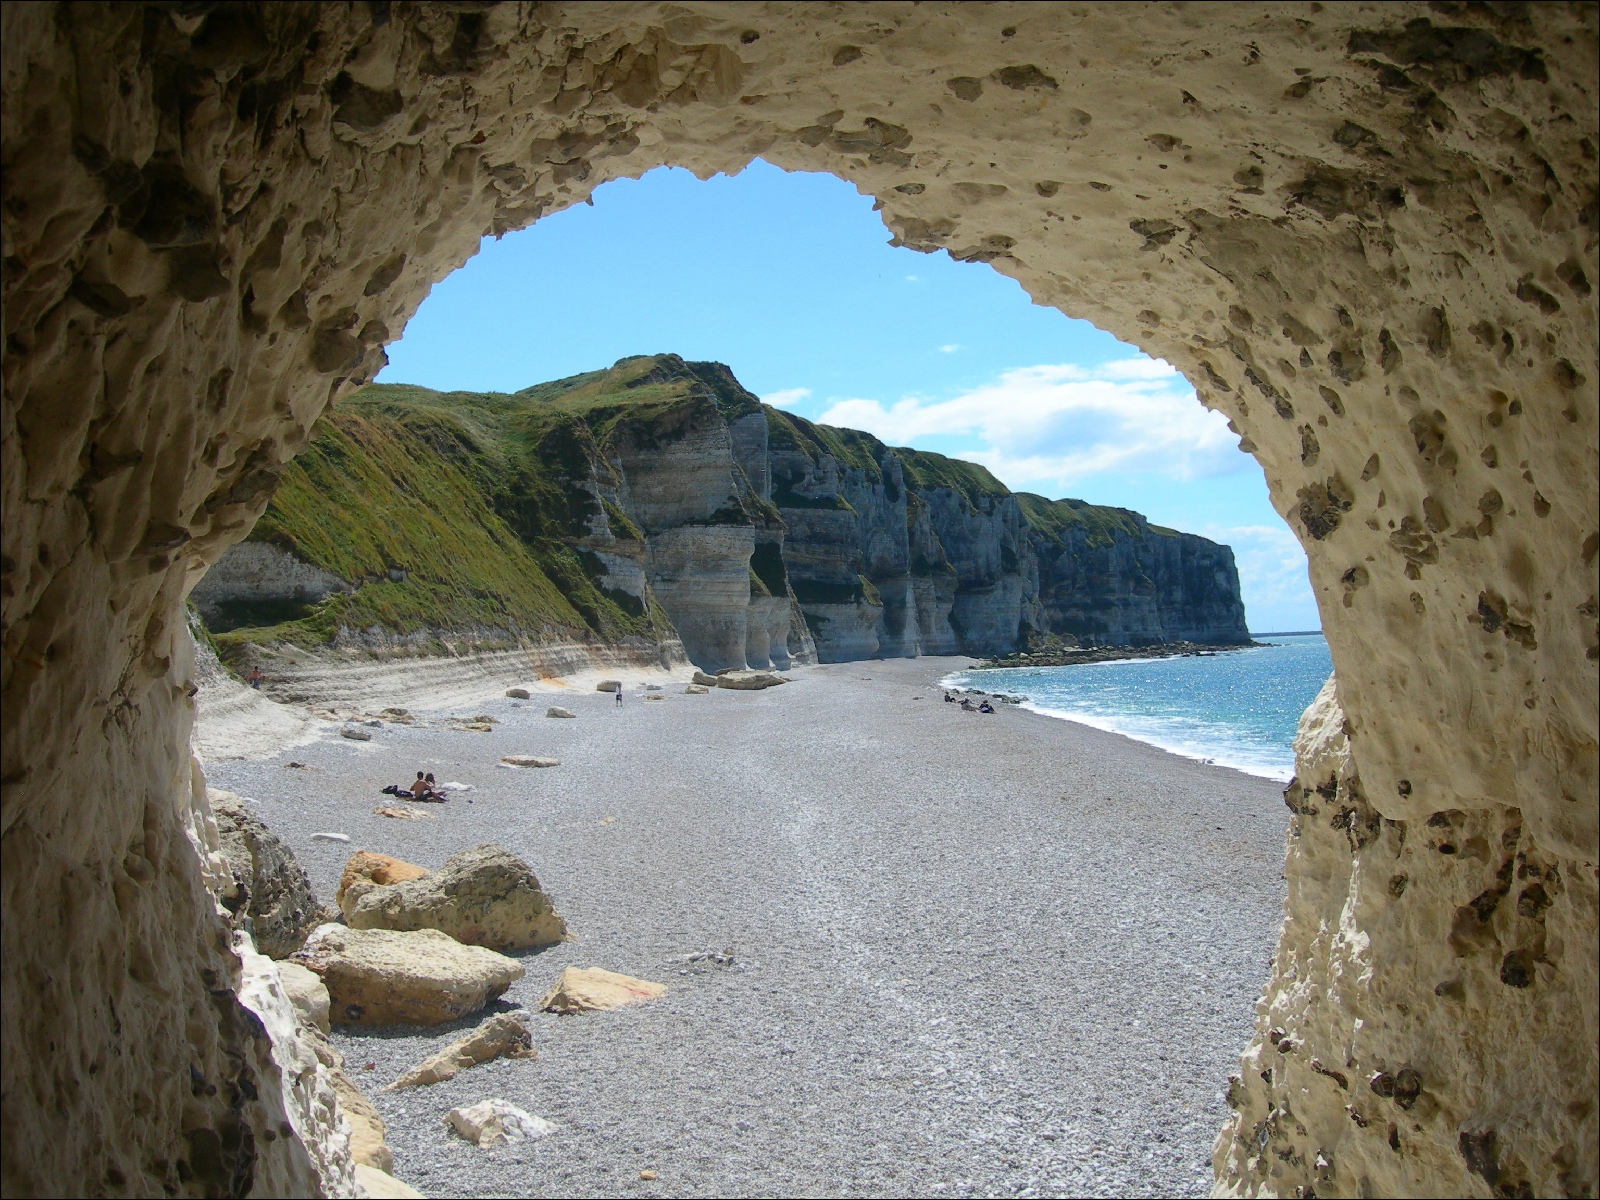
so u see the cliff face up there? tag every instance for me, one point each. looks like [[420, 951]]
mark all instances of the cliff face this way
[[897, 552], [659, 502]]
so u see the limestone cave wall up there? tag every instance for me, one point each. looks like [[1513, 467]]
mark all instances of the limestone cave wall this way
[[1365, 233]]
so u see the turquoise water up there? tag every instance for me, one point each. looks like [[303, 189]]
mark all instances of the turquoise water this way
[[1238, 709]]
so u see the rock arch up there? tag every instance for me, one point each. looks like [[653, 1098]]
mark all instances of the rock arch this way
[[1368, 235]]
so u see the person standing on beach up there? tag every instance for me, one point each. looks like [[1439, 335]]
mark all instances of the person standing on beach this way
[[255, 678], [619, 695]]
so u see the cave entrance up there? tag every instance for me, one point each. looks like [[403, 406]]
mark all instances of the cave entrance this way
[[1366, 237], [782, 287]]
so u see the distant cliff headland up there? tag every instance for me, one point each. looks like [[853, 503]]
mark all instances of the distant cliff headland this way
[[660, 510]]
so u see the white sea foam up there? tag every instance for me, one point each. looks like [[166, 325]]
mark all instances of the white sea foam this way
[[1235, 710]]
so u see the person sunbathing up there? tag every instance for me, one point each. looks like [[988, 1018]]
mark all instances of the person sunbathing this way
[[986, 707], [422, 789]]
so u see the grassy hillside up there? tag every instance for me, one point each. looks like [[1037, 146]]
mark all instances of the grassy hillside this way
[[451, 511]]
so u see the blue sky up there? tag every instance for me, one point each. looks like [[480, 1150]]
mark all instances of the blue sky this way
[[788, 278]]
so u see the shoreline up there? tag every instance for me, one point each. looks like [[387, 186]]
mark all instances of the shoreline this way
[[1098, 654]]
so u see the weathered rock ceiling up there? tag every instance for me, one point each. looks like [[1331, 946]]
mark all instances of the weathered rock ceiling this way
[[1367, 233]]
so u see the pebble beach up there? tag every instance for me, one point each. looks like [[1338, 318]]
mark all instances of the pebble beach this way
[[909, 950]]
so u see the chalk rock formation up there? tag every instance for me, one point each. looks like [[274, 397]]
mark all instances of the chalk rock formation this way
[[271, 890], [486, 896], [594, 989], [370, 867], [385, 977], [1366, 234], [502, 1035], [490, 1121], [306, 993], [749, 681], [1345, 1084]]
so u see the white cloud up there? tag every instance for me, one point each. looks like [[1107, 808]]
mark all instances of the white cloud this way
[[786, 397], [1272, 575], [913, 279], [1048, 428], [949, 348]]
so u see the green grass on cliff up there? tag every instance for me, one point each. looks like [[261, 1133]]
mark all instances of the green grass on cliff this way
[[1056, 520], [448, 511], [924, 470]]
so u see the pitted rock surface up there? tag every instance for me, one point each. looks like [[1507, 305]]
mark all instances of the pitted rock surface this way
[[1367, 235], [273, 892], [384, 977], [486, 896]]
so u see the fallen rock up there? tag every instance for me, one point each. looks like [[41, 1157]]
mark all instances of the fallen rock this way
[[502, 1035], [486, 896], [529, 760], [750, 681], [653, 687], [655, 696], [704, 680], [390, 977], [608, 685], [519, 693], [381, 1185], [307, 993], [331, 837], [696, 689], [401, 813], [593, 989], [271, 891], [555, 710], [491, 1121], [367, 866], [356, 733]]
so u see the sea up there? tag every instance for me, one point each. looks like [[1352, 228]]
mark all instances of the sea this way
[[1236, 709]]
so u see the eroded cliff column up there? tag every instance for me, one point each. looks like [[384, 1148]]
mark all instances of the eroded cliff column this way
[[1368, 235]]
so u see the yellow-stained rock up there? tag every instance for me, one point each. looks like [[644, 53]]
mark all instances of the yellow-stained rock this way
[[485, 896], [381, 1185], [593, 989], [501, 1035], [367, 866]]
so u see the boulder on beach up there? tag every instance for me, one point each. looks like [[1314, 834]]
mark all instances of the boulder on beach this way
[[555, 710], [529, 760], [306, 994], [519, 693], [593, 989], [491, 1121], [608, 685], [380, 1185], [696, 689], [749, 681], [390, 977], [368, 866], [270, 889], [501, 1036], [485, 896], [356, 733], [704, 680]]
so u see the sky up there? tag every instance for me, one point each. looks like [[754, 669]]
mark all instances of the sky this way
[[789, 279]]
